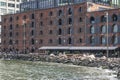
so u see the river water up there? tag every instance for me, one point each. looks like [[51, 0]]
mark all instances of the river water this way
[[26, 70]]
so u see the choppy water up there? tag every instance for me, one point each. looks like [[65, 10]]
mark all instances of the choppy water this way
[[25, 70]]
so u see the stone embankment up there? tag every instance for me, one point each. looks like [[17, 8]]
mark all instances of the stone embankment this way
[[76, 59]]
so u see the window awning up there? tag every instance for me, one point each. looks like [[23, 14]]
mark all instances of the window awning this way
[[76, 48]]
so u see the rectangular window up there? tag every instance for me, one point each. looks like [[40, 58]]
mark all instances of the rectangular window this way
[[18, 1], [17, 5], [11, 0], [11, 5], [3, 4], [2, 10], [11, 11]]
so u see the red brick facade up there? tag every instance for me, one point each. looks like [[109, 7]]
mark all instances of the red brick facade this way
[[60, 26]]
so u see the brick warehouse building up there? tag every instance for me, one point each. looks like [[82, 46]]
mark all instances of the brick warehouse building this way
[[76, 27]]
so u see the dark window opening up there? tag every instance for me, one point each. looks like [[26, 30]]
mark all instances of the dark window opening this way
[[69, 30], [80, 40], [70, 21], [11, 27], [41, 23], [80, 19], [69, 11], [103, 19], [32, 41], [33, 16], [60, 12], [33, 50], [33, 24], [69, 41], [50, 32], [92, 20], [51, 22], [114, 17], [11, 34], [60, 22], [59, 41], [41, 14], [10, 42], [59, 32], [32, 33], [79, 30]]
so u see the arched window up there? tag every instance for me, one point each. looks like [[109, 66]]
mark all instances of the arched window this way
[[32, 16], [103, 39], [115, 28], [92, 19], [11, 27], [10, 42], [92, 39], [103, 19], [114, 17], [32, 41], [69, 41], [80, 40], [92, 29], [80, 19], [103, 29], [114, 39], [69, 30], [79, 30], [11, 34], [59, 12], [69, 11], [60, 22], [59, 31], [59, 41], [41, 15], [32, 32], [69, 20]]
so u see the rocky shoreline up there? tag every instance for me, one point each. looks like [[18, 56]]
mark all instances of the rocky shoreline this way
[[76, 59]]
